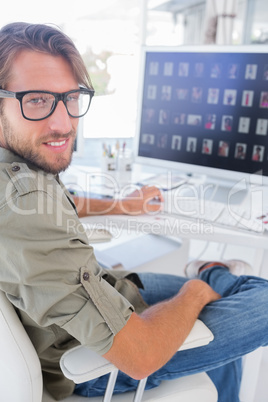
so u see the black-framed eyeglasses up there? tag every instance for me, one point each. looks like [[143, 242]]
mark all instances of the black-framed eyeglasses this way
[[38, 105]]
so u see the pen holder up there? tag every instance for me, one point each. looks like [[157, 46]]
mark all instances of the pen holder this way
[[108, 164], [124, 161]]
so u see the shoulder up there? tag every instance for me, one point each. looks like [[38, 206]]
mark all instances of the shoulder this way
[[26, 179], [23, 185]]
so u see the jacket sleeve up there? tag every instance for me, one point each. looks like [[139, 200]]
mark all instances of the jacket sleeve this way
[[50, 271]]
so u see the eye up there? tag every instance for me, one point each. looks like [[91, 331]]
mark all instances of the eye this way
[[38, 100], [73, 97]]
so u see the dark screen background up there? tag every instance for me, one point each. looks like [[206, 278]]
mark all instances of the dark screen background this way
[[208, 109]]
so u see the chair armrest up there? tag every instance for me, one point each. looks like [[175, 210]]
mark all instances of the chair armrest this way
[[81, 364], [200, 335]]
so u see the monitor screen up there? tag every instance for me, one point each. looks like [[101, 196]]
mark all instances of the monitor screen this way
[[205, 109]]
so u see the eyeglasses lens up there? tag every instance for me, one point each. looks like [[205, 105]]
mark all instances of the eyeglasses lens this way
[[38, 105], [77, 103]]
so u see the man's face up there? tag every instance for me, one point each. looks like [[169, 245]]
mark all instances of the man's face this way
[[47, 143]]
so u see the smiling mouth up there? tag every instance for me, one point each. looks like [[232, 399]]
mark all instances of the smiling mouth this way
[[56, 143]]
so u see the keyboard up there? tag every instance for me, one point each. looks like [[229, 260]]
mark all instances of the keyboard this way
[[239, 218], [230, 216], [192, 207]]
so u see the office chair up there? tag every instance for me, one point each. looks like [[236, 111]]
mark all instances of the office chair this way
[[21, 377]]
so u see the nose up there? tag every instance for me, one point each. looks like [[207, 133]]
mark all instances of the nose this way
[[60, 121]]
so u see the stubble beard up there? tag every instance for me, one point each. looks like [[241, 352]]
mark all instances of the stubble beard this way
[[13, 144]]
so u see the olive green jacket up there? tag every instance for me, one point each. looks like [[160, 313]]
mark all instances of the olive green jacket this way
[[50, 274]]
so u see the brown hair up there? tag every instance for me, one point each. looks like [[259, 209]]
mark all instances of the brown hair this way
[[19, 36]]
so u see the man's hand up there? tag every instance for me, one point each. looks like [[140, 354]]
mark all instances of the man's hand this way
[[200, 291], [147, 199]]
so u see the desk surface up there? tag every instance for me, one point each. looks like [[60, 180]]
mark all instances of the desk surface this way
[[180, 228], [85, 178]]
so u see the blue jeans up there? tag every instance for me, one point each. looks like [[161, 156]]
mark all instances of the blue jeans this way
[[238, 321]]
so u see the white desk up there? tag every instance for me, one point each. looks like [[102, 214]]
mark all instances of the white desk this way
[[89, 179]]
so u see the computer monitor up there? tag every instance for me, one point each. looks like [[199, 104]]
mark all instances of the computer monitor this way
[[204, 110]]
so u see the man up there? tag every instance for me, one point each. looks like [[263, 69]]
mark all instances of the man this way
[[48, 270]]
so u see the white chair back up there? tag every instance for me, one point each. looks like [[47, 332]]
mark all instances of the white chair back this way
[[20, 371]]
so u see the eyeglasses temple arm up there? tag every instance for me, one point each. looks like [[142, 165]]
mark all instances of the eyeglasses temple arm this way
[[7, 94]]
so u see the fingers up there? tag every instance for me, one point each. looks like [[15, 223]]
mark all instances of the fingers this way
[[153, 207], [147, 199], [152, 192], [153, 198]]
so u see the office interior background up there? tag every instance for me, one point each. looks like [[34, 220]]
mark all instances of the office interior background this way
[[110, 37], [110, 33]]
